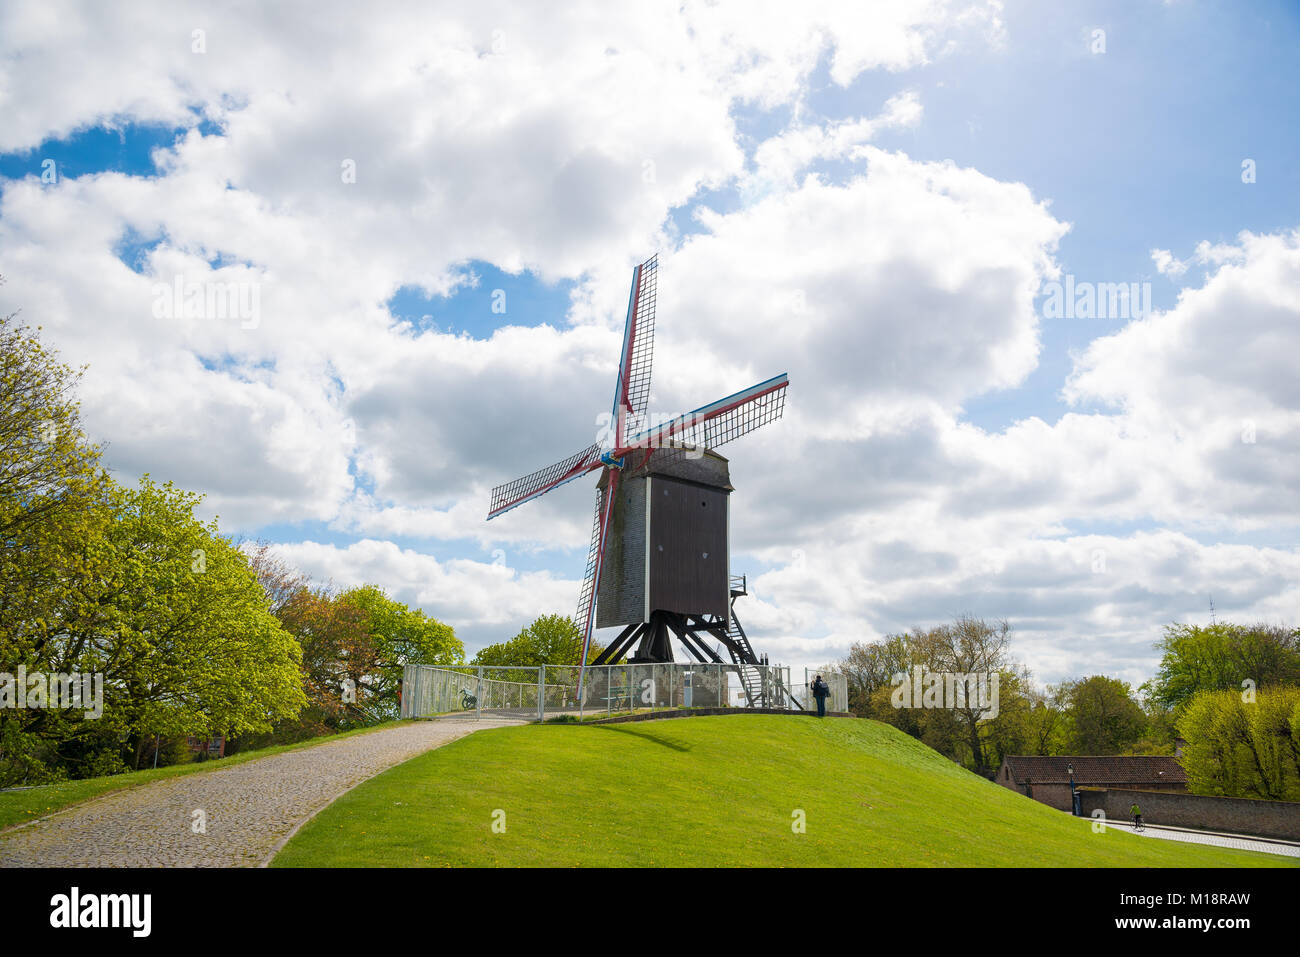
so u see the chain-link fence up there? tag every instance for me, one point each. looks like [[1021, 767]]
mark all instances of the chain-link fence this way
[[549, 691]]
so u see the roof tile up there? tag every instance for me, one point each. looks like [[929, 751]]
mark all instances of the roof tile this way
[[1094, 769]]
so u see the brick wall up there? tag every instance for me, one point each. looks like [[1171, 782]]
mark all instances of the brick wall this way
[[1279, 819], [1053, 795]]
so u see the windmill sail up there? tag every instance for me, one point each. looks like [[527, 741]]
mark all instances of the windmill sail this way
[[591, 581], [632, 390], [719, 422], [512, 494]]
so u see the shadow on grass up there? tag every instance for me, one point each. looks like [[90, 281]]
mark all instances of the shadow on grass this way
[[640, 733]]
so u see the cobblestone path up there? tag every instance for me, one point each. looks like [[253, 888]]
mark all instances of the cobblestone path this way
[[248, 808], [1241, 842]]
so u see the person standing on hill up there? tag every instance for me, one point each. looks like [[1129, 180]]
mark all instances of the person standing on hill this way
[[820, 690]]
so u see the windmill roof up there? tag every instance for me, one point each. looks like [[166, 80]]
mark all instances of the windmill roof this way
[[706, 467]]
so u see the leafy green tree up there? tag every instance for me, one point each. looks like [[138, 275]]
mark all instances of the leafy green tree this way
[[333, 636], [549, 640], [1103, 716], [870, 666], [1046, 720], [50, 483], [1013, 730], [1220, 657], [398, 636], [46, 463], [192, 644], [1161, 730], [1240, 748], [171, 615]]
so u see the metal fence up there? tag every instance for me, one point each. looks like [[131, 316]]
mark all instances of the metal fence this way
[[837, 700], [434, 691], [538, 693]]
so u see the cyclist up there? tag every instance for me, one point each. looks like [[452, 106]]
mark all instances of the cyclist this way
[[1137, 815]]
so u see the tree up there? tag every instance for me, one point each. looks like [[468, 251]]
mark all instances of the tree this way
[[870, 666], [46, 463], [1240, 748], [549, 640], [1220, 657], [194, 645], [1103, 716], [170, 614], [1014, 729], [1047, 722], [280, 581], [121, 583], [398, 636], [50, 481], [959, 729], [1161, 730], [331, 634], [355, 646], [969, 646]]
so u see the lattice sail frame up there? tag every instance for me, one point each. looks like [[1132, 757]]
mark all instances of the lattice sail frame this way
[[638, 349], [513, 494], [595, 555], [720, 422]]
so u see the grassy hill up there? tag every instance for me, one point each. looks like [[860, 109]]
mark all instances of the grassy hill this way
[[708, 792]]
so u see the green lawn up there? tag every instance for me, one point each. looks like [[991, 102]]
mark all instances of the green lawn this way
[[709, 791], [17, 807]]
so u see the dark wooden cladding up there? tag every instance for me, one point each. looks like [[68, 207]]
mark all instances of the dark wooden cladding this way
[[687, 569], [688, 547], [621, 596]]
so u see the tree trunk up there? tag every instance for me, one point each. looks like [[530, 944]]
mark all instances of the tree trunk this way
[[977, 748]]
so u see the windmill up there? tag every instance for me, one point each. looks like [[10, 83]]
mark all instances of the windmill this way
[[659, 557]]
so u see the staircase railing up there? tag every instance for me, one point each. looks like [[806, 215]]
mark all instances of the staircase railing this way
[[742, 655]]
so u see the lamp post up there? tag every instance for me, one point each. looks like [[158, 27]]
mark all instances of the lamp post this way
[[1074, 795]]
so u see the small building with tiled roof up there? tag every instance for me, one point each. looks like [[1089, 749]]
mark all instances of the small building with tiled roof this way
[[1047, 778]]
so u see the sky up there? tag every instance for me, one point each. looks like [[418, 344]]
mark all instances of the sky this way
[[426, 218]]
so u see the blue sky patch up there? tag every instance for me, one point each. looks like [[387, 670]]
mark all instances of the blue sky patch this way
[[99, 149], [488, 301]]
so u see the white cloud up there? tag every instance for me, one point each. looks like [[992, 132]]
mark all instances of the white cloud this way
[[1208, 390], [779, 160], [1205, 254]]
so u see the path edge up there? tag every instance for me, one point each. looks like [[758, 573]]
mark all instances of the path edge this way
[[305, 745], [280, 844]]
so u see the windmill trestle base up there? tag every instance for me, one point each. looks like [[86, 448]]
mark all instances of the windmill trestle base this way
[[649, 641]]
